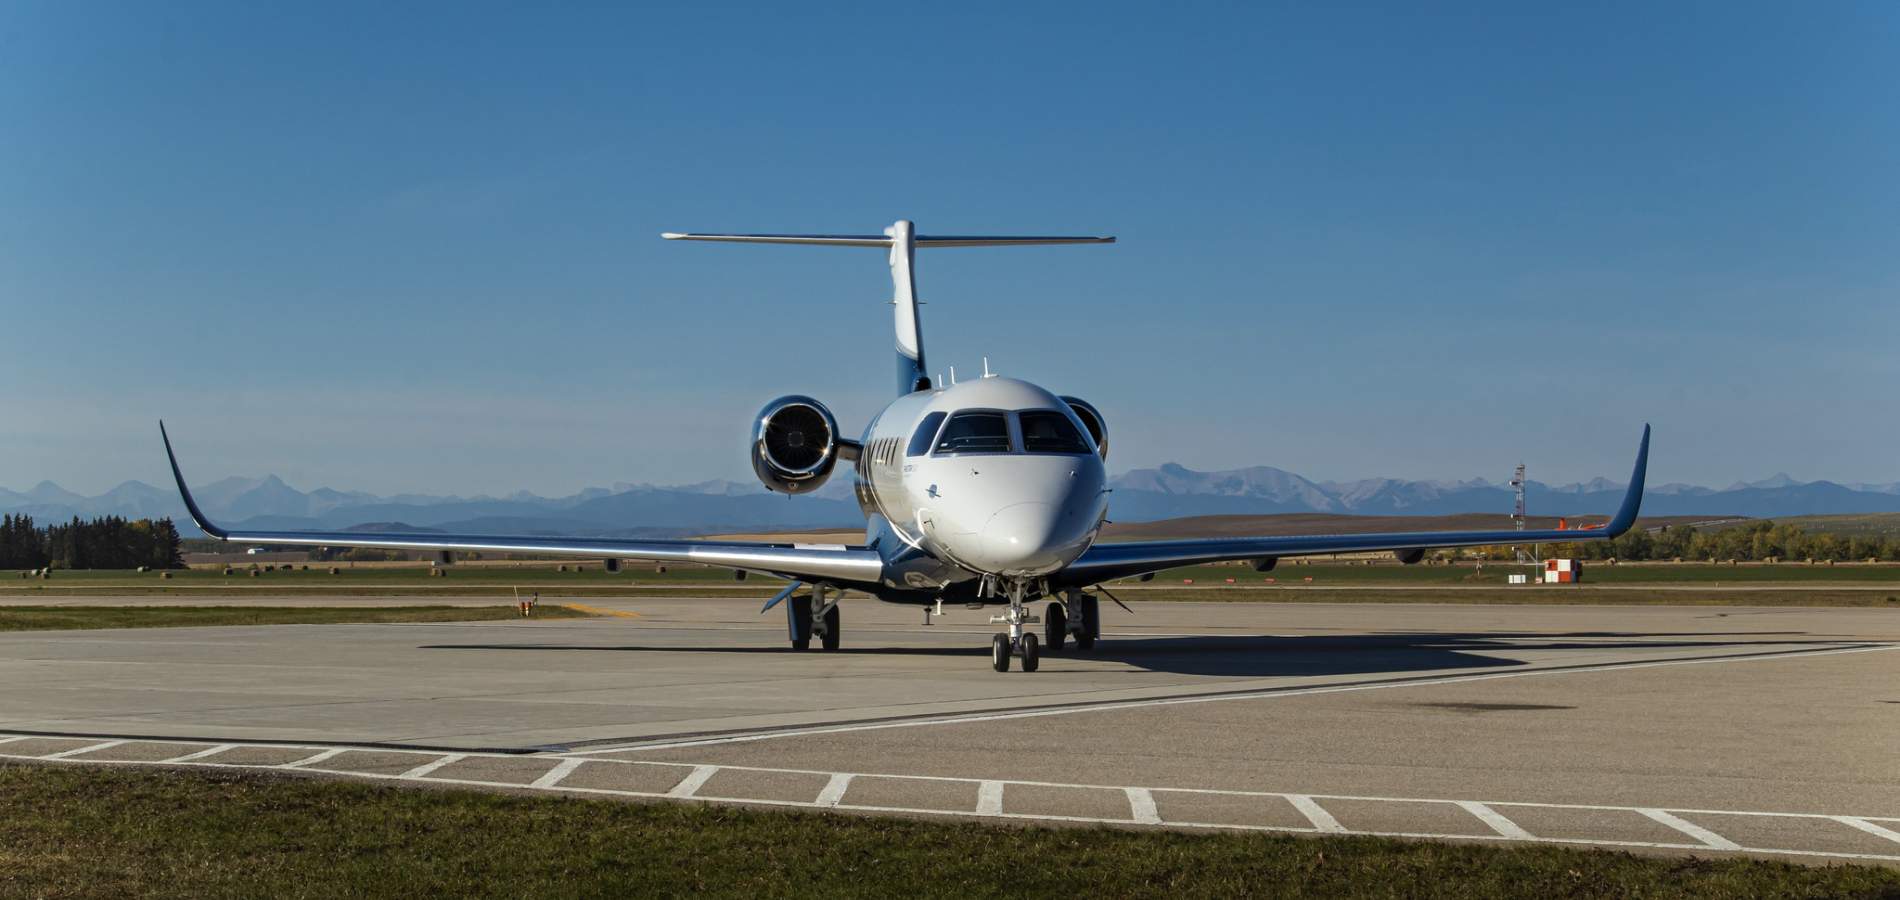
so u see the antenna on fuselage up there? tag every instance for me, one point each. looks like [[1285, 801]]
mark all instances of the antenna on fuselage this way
[[986, 368], [953, 375]]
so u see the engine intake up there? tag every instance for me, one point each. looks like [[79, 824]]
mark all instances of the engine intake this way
[[795, 444], [1091, 420]]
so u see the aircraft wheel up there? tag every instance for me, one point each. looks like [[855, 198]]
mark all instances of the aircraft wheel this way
[[1032, 655], [1055, 627], [999, 653], [1091, 624], [798, 621], [833, 634]]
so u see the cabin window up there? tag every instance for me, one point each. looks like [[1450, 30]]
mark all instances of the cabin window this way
[[926, 433], [1048, 431], [975, 432]]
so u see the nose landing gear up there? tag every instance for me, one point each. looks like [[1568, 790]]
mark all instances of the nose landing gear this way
[[1019, 640]]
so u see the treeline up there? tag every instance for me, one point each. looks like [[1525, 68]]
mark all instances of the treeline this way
[[1754, 541], [107, 543]]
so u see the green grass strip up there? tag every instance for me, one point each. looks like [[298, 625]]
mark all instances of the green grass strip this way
[[96, 832]]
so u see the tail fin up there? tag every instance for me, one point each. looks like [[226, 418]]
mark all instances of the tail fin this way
[[903, 241]]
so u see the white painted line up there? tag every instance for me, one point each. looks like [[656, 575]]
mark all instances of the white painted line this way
[[1322, 820], [422, 771], [314, 759], [1264, 694], [1141, 806], [1304, 801], [1503, 826], [212, 750], [561, 770], [76, 751], [1869, 827], [834, 790], [989, 798], [694, 780], [9, 740], [1691, 829]]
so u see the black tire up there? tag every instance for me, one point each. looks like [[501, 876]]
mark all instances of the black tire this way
[[1032, 653], [1055, 627], [833, 633], [999, 653], [1091, 624], [798, 621]]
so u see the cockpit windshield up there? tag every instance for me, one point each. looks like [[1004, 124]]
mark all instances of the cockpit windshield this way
[[1048, 431], [975, 432]]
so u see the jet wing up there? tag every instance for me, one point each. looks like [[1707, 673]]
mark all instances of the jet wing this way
[[1103, 562], [834, 563]]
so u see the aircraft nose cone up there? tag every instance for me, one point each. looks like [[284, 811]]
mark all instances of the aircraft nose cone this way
[[1016, 540]]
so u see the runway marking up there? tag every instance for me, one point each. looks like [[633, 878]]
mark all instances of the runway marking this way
[[76, 751], [1503, 826], [693, 781], [17, 737], [423, 770], [1691, 829], [834, 790], [561, 770], [212, 750], [989, 798], [1262, 694], [1322, 820], [315, 758], [1869, 827], [989, 804], [1141, 806]]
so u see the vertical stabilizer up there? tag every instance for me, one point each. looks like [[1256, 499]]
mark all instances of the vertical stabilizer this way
[[903, 241], [910, 338]]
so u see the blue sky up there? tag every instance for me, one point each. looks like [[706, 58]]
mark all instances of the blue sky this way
[[416, 248]]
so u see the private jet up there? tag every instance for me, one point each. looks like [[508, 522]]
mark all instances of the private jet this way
[[988, 492]]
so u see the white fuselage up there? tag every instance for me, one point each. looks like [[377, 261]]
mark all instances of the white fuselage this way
[[1014, 506]]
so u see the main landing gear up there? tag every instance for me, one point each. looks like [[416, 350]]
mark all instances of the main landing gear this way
[[1073, 615], [813, 614]]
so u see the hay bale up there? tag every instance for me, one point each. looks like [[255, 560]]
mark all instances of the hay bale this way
[[561, 568]]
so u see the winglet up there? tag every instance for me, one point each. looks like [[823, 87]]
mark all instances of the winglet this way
[[1633, 498], [191, 506]]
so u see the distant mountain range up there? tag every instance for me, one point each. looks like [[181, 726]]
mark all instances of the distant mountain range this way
[[1169, 491]]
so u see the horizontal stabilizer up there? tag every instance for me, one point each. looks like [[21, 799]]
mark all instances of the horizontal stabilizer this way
[[880, 240]]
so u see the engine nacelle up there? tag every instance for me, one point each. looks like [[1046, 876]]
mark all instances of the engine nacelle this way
[[795, 444], [1091, 420]]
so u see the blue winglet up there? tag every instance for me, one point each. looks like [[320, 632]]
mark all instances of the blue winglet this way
[[1633, 498], [191, 506]]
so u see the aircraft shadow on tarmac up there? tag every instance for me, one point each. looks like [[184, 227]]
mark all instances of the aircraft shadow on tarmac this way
[[1256, 656]]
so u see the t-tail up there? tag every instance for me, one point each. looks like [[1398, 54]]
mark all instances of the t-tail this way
[[903, 241]]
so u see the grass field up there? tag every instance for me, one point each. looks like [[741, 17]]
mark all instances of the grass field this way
[[45, 618], [97, 832]]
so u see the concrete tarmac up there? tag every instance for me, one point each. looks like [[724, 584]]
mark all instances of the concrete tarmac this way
[[1668, 729]]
